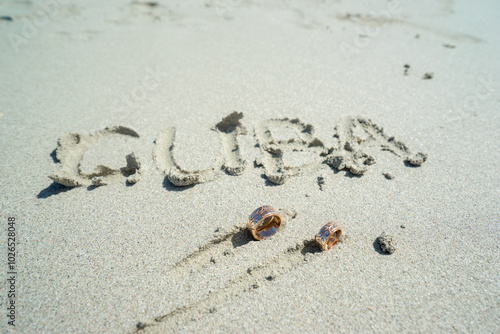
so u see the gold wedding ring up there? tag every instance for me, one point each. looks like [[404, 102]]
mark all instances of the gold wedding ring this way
[[264, 222], [328, 236]]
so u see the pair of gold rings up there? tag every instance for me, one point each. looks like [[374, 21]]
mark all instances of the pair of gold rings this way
[[265, 222]]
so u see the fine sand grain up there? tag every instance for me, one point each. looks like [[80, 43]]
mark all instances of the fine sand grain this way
[[137, 138]]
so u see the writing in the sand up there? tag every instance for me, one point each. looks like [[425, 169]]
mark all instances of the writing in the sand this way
[[353, 138]]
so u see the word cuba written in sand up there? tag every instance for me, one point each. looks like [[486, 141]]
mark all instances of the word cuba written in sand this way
[[353, 136]]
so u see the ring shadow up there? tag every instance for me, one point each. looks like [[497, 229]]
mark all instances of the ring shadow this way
[[241, 238], [310, 247]]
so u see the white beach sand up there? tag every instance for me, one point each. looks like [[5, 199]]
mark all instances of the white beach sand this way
[[112, 258]]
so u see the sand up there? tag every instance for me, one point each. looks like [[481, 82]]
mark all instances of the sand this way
[[137, 138]]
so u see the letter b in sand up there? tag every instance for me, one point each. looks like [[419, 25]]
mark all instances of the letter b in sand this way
[[276, 151]]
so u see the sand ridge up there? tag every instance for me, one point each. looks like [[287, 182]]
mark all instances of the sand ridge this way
[[353, 135], [238, 237], [273, 150], [229, 158], [71, 149]]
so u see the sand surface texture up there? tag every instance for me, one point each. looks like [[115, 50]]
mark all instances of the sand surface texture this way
[[136, 139]]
